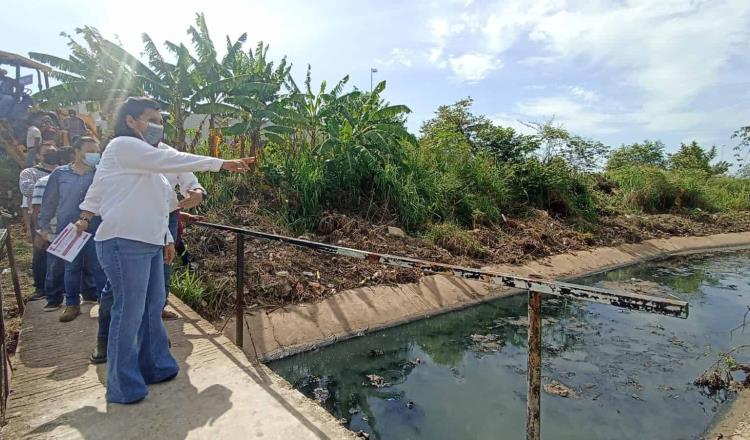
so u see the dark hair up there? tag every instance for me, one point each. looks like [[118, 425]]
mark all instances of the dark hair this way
[[65, 154], [134, 107], [79, 141]]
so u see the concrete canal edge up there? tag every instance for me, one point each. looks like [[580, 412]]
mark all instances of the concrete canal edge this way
[[299, 328], [302, 327]]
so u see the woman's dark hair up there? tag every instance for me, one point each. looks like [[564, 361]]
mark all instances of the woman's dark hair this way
[[134, 107], [79, 141]]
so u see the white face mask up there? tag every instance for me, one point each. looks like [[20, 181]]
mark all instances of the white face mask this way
[[92, 159]]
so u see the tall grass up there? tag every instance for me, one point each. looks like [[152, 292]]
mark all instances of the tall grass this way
[[652, 189]]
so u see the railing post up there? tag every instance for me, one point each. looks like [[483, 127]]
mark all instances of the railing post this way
[[14, 272], [239, 304], [4, 386], [534, 370]]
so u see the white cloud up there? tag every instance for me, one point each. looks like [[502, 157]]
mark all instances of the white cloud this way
[[671, 51], [661, 55], [398, 56], [514, 122], [574, 115], [584, 94], [473, 67]]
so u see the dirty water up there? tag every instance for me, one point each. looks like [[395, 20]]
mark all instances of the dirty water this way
[[607, 373]]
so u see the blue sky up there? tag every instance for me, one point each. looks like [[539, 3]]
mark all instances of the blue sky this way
[[618, 71]]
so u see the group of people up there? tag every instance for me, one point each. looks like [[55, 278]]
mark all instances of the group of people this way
[[126, 197]]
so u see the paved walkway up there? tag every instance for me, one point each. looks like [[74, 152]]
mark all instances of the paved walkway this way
[[218, 394]]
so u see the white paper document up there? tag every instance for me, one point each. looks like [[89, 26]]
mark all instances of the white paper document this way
[[68, 243]]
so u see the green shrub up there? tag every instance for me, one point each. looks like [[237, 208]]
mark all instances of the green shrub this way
[[552, 186], [188, 286], [726, 193], [455, 240], [690, 189], [644, 188]]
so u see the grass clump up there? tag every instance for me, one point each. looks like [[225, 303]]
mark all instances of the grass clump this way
[[456, 240], [188, 286]]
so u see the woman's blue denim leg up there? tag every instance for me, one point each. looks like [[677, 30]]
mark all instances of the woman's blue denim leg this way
[[130, 266], [155, 360]]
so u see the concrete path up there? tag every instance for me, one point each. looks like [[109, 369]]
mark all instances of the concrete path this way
[[218, 394]]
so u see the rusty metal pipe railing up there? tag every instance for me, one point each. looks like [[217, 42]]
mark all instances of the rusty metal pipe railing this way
[[535, 288], [7, 245], [240, 300], [633, 301]]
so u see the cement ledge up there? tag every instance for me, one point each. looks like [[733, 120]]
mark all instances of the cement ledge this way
[[298, 328]]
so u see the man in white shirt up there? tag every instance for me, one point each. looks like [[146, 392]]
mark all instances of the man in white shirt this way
[[193, 194]]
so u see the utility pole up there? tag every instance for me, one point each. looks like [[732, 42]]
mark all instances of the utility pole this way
[[372, 70]]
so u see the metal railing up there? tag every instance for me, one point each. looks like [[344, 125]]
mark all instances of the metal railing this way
[[6, 249], [534, 287]]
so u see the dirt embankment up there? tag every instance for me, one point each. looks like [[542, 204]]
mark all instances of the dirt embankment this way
[[279, 274]]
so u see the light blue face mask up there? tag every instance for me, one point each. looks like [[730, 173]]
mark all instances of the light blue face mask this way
[[92, 159], [153, 134]]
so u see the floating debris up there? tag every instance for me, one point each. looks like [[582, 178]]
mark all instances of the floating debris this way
[[413, 364], [376, 353], [321, 394], [362, 434], [410, 404], [377, 381], [485, 343], [559, 389]]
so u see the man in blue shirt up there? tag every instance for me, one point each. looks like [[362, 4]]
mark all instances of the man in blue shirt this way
[[66, 189], [55, 277]]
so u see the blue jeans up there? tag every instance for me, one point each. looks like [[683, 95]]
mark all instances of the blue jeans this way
[[168, 267], [84, 276], [137, 347], [54, 283]]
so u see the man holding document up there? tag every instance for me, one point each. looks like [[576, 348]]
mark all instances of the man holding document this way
[[66, 188]]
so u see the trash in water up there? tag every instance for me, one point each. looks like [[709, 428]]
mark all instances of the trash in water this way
[[321, 394], [413, 364], [377, 381], [559, 389]]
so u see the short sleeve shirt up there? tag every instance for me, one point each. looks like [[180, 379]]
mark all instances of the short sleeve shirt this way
[[31, 134]]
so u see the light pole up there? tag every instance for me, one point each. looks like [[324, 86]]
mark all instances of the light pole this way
[[372, 70]]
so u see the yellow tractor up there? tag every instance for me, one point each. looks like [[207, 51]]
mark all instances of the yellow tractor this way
[[15, 117]]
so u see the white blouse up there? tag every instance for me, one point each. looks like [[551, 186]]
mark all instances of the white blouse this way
[[185, 181], [130, 192]]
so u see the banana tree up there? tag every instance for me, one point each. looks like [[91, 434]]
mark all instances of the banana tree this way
[[173, 85], [312, 110], [368, 127], [90, 73], [251, 94]]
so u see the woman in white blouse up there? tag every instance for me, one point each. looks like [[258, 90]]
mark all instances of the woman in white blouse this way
[[132, 197]]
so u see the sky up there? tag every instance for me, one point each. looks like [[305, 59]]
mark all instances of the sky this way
[[616, 71]]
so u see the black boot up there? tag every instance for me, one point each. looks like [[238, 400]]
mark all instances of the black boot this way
[[99, 356]]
